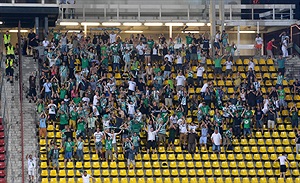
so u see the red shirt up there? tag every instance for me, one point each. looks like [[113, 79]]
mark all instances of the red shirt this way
[[270, 45]]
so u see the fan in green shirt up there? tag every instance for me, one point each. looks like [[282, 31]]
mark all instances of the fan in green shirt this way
[[218, 62], [62, 93], [156, 70], [114, 49], [189, 40], [179, 114], [69, 146], [247, 123], [150, 43], [281, 94], [84, 63], [74, 115], [248, 113], [205, 109], [63, 119], [77, 100], [81, 125], [171, 83], [108, 144]]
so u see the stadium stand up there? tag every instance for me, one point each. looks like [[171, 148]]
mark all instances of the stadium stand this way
[[250, 158]]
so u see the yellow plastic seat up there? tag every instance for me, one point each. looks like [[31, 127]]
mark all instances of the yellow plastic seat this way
[[219, 180], [104, 165], [246, 149], [200, 172], [232, 164], [62, 173], [271, 150], [231, 157], [146, 157], [235, 173], [228, 180], [211, 179], [252, 173], [295, 173], [70, 165], [224, 165], [208, 172], [180, 157], [53, 173], [207, 164], [198, 164], [254, 180], [277, 142], [202, 180], [171, 157], [147, 165], [157, 173], [205, 157], [182, 173], [256, 157], [244, 173], [246, 180], [70, 173], [226, 172], [248, 157], [261, 173], [53, 180], [250, 165], [237, 180], [254, 150], [216, 164], [213, 157], [265, 157], [241, 164], [270, 173], [114, 173], [131, 173]]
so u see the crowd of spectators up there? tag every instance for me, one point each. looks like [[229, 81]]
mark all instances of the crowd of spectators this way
[[112, 90]]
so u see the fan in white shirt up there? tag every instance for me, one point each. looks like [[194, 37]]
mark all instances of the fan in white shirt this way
[[131, 110], [112, 37], [251, 65], [200, 71], [180, 79], [170, 57], [131, 85], [228, 64], [140, 48], [86, 177], [259, 40]]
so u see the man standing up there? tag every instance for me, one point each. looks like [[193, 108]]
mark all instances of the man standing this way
[[281, 64], [31, 167], [6, 39], [131, 157], [31, 37], [282, 159], [98, 136], [270, 46], [216, 139], [192, 138]]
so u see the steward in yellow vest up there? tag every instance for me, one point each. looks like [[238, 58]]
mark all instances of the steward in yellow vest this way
[[9, 68], [6, 38], [10, 51]]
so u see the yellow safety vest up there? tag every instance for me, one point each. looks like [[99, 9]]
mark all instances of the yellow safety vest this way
[[10, 50], [9, 63], [6, 38]]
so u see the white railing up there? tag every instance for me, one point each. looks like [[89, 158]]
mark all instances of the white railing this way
[[187, 12]]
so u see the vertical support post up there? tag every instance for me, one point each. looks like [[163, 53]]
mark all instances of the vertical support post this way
[[139, 13], [252, 13], [46, 26], [221, 13], [170, 31], [160, 9], [257, 27], [118, 11], [43, 1], [37, 26], [104, 12], [274, 12], [12, 1], [230, 12], [238, 35], [83, 12], [85, 30], [291, 12], [188, 12], [212, 19]]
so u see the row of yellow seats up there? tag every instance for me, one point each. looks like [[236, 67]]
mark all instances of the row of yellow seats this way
[[262, 142], [175, 173], [179, 180]]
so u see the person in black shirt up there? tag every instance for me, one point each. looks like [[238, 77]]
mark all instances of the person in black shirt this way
[[31, 36], [206, 45], [251, 96], [32, 88], [237, 120], [141, 85], [259, 119], [271, 119], [273, 93]]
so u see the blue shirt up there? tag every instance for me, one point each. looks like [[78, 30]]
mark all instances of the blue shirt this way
[[43, 123], [131, 154], [204, 132]]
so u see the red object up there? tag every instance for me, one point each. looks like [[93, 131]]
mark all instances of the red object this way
[[2, 165], [1, 128], [2, 173], [2, 142], [2, 180], [2, 150], [2, 135], [270, 45], [255, 1], [2, 157]]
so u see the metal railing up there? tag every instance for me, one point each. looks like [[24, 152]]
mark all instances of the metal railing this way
[[187, 12]]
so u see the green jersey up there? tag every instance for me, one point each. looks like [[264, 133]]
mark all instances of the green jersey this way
[[108, 144], [63, 119], [248, 113], [218, 62], [281, 94], [205, 109], [156, 70], [135, 140], [69, 146], [81, 125], [62, 93], [74, 115], [246, 123], [84, 63], [77, 100], [150, 43], [189, 40], [57, 36]]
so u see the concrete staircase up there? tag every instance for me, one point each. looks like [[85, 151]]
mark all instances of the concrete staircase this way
[[29, 114], [292, 67], [11, 102], [10, 94]]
